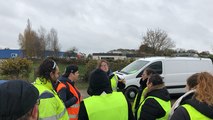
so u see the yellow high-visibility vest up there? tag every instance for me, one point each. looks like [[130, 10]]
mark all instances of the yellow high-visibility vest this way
[[107, 107], [194, 114], [114, 82], [141, 100], [166, 105], [51, 106]]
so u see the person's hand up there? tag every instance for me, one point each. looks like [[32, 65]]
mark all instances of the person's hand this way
[[122, 80]]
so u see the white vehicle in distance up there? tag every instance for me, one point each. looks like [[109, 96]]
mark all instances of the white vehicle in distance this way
[[173, 70]]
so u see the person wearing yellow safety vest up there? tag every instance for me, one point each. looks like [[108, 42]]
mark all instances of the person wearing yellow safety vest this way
[[104, 104], [191, 84], [142, 89], [51, 107], [200, 106], [156, 103], [67, 91], [117, 82]]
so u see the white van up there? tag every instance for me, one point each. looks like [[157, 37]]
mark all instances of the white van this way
[[173, 70]]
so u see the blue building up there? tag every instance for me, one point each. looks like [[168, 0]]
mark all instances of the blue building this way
[[13, 53], [8, 53]]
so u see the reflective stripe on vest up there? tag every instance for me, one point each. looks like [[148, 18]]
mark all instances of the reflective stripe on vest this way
[[74, 109], [114, 82], [166, 105], [55, 117], [134, 108], [107, 107], [75, 106], [51, 106], [194, 114], [73, 116]]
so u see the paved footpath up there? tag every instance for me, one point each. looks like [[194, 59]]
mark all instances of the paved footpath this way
[[84, 93]]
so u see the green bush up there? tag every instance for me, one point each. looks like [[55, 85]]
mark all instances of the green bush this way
[[119, 64], [91, 65], [16, 68], [211, 57], [113, 64], [70, 61]]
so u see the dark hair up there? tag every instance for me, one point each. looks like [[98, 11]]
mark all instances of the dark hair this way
[[46, 67], [155, 79], [192, 80], [27, 115], [70, 69], [149, 71], [99, 82]]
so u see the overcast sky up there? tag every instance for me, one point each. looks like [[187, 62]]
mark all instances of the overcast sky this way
[[103, 25]]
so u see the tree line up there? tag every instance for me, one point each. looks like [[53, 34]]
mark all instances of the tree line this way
[[155, 42], [34, 44]]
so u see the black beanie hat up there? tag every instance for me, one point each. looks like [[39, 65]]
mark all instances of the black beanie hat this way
[[17, 97], [70, 69], [99, 82]]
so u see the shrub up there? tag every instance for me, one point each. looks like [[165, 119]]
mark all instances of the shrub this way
[[16, 68], [91, 65], [70, 61], [211, 57], [114, 65], [119, 64]]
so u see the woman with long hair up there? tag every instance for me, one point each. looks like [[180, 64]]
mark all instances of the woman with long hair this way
[[201, 104]]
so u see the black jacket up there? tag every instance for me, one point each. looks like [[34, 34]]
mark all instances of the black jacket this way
[[84, 116], [151, 109], [97, 87], [140, 91], [68, 98], [181, 113]]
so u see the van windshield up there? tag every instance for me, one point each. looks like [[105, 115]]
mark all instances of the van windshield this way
[[134, 67]]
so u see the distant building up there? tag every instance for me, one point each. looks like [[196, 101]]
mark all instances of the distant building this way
[[108, 56], [51, 53], [13, 53], [8, 53], [118, 54], [123, 51], [185, 55]]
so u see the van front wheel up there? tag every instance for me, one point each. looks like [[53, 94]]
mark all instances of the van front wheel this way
[[131, 92]]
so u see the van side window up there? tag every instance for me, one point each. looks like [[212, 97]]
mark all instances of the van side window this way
[[157, 66]]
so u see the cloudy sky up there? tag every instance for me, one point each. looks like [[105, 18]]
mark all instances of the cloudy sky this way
[[103, 25]]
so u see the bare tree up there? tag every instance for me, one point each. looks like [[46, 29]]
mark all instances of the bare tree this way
[[144, 48], [27, 40], [157, 40], [21, 41], [52, 42], [181, 50], [42, 38], [35, 44]]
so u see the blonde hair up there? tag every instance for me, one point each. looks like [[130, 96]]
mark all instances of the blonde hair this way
[[101, 61], [204, 90]]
